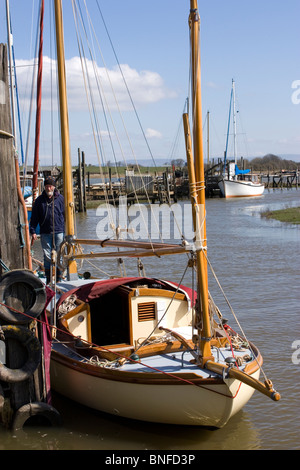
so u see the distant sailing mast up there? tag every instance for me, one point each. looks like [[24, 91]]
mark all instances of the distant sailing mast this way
[[9, 36], [234, 124]]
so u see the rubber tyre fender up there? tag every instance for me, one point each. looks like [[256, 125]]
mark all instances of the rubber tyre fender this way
[[1, 399], [38, 409], [33, 284], [33, 347]]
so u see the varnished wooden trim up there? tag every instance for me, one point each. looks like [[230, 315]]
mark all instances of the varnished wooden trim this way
[[144, 291]]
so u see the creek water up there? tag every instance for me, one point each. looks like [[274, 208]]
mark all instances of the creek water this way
[[256, 261]]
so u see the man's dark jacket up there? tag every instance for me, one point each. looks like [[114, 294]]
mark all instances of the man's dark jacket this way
[[42, 213]]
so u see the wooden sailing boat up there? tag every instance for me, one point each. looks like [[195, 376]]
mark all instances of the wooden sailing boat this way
[[234, 183], [146, 348]]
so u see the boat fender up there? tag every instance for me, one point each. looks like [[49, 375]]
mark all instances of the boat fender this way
[[32, 345], [33, 285], [36, 412], [1, 399]]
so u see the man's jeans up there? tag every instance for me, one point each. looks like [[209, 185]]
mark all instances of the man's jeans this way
[[47, 246]]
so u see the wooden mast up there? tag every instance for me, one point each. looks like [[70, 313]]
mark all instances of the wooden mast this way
[[196, 171], [65, 138]]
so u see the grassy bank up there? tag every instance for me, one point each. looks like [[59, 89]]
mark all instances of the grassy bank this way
[[290, 215]]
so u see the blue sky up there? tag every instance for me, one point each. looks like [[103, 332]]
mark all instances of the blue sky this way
[[255, 43]]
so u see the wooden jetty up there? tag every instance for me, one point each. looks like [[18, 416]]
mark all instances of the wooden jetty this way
[[150, 188], [169, 186], [212, 176], [13, 228], [281, 179]]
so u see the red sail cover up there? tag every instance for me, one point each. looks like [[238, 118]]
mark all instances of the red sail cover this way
[[96, 289]]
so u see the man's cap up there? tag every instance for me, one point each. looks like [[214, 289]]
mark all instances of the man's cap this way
[[50, 181]]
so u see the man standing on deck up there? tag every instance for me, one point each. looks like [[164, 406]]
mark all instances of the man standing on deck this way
[[49, 212]]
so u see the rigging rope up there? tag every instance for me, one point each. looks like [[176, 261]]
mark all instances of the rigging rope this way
[[92, 101], [93, 61], [233, 313]]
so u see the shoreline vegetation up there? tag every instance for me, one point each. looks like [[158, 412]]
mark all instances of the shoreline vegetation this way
[[290, 215], [269, 163]]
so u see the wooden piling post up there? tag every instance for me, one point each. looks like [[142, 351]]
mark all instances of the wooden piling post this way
[[81, 191], [83, 181], [12, 234], [79, 183]]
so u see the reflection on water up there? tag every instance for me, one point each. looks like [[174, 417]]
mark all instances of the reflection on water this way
[[257, 261], [85, 429]]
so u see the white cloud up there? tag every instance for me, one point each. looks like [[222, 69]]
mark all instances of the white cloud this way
[[153, 134], [211, 85], [145, 86]]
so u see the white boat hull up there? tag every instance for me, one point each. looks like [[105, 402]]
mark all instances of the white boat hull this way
[[240, 188], [179, 403]]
